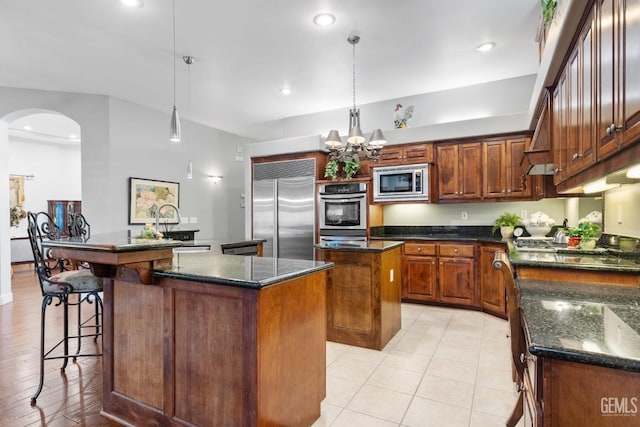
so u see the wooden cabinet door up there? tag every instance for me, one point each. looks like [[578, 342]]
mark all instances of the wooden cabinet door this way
[[630, 73], [351, 300], [470, 177], [448, 171], [419, 278], [456, 280], [607, 76], [517, 187], [492, 293], [585, 154], [559, 141], [572, 112], [406, 154], [494, 172], [418, 153], [391, 155]]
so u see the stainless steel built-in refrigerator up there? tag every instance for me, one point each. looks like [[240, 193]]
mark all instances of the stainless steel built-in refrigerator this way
[[284, 208]]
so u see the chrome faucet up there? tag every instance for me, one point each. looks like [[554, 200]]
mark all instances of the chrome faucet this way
[[158, 213]]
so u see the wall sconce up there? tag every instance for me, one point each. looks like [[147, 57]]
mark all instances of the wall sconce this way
[[215, 178]]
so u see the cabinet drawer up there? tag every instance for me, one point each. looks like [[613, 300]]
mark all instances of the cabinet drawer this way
[[420, 248], [456, 250]]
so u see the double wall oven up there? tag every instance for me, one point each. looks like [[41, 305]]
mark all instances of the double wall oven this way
[[343, 213]]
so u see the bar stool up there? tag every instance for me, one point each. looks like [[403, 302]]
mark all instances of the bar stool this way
[[78, 227], [58, 285]]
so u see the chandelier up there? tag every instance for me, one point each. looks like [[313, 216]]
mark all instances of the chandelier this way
[[355, 140]]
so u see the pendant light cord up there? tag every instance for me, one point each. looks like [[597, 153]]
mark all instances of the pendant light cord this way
[[353, 42], [174, 53]]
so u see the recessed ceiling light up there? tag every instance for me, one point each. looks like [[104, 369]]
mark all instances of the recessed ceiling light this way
[[132, 3], [485, 47], [27, 127], [285, 91], [324, 19], [73, 136]]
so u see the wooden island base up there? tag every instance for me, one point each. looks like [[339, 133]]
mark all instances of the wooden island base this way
[[187, 353]]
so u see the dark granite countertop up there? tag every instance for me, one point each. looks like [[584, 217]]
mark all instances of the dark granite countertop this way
[[578, 260], [237, 270], [120, 241], [440, 232], [581, 322], [441, 237], [368, 246]]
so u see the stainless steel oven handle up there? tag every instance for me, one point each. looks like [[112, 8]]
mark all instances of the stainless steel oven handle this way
[[326, 197]]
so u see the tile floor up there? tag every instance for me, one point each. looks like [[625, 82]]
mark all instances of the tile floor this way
[[445, 367]]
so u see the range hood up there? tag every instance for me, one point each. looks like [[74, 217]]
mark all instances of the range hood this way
[[538, 162], [538, 158]]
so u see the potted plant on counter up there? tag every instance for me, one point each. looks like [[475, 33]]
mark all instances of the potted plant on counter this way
[[585, 234], [505, 224]]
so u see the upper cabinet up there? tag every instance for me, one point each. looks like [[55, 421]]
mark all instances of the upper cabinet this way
[[406, 154], [503, 174], [574, 114], [596, 101], [619, 74], [458, 171]]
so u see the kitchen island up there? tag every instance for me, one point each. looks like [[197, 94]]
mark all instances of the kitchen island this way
[[202, 339], [581, 318], [583, 353], [363, 291]]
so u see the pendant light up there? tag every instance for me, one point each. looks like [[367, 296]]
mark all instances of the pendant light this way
[[174, 125], [189, 60], [355, 139]]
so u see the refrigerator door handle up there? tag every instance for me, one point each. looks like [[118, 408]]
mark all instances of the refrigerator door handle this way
[[276, 226]]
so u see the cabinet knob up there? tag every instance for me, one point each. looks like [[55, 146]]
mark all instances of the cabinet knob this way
[[613, 129], [455, 250], [419, 248], [524, 358]]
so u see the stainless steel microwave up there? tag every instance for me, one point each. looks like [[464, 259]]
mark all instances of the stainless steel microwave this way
[[401, 183]]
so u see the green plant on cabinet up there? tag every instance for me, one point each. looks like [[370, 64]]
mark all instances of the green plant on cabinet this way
[[548, 9], [348, 167]]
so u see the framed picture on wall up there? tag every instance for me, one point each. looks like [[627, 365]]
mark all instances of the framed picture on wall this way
[[147, 195], [16, 191]]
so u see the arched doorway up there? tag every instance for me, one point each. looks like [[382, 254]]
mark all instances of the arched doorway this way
[[44, 160]]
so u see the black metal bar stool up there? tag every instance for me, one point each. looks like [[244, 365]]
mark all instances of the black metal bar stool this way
[[63, 288]]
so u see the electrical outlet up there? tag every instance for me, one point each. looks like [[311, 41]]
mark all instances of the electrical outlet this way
[[619, 214], [523, 214], [184, 220], [464, 215], [193, 220]]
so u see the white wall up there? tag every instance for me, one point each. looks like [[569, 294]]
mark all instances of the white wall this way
[[623, 203], [120, 140], [5, 248], [438, 115], [56, 170], [477, 213], [140, 148]]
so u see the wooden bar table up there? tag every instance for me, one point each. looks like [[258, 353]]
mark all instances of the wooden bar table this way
[[207, 339]]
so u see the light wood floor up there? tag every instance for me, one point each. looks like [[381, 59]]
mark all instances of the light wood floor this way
[[72, 398]]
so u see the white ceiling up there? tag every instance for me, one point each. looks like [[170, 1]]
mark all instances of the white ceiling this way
[[247, 50]]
